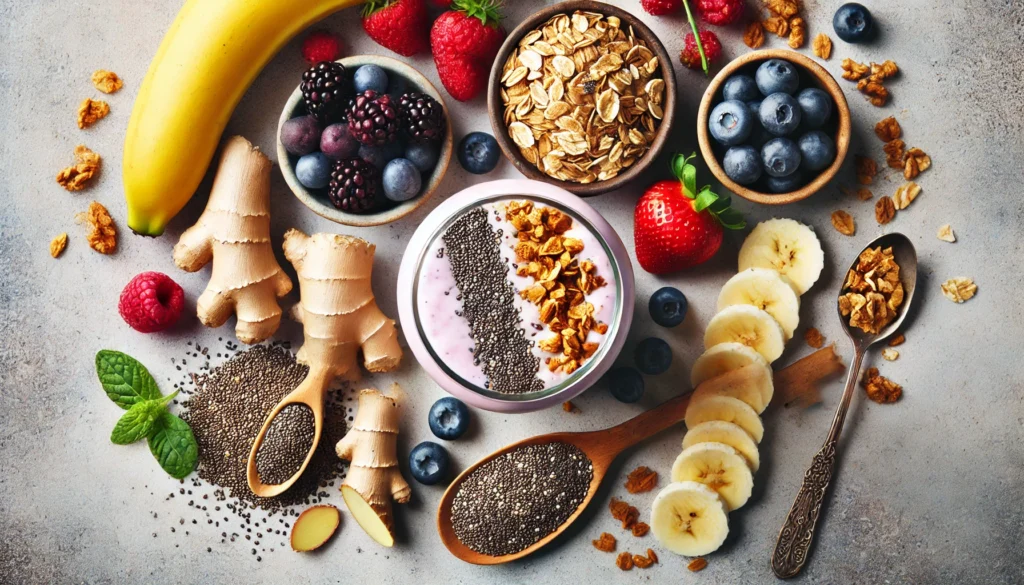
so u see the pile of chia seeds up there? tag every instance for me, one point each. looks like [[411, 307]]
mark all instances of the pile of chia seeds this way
[[518, 498], [286, 444], [501, 348]]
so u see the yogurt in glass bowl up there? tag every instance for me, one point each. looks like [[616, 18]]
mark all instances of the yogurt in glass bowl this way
[[515, 295]]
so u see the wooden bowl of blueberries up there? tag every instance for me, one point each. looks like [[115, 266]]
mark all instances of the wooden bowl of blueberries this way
[[774, 126], [364, 140]]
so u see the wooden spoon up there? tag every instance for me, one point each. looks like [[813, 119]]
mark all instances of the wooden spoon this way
[[602, 447], [310, 393]]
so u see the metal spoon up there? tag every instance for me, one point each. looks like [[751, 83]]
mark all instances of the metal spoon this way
[[797, 533]]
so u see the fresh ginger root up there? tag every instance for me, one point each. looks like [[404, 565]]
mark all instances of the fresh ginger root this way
[[337, 308], [234, 233], [373, 479]]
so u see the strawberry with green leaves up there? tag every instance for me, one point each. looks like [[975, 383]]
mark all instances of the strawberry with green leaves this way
[[465, 41], [399, 25], [675, 226]]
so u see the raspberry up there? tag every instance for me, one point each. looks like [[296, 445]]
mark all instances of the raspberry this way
[[720, 12], [320, 45], [690, 56], [660, 7], [151, 302]]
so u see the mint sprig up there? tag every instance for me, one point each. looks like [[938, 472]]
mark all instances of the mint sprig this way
[[130, 385], [696, 37], [705, 199]]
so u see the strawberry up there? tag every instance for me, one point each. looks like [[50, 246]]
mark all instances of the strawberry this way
[[465, 41], [320, 45], [399, 25], [675, 226]]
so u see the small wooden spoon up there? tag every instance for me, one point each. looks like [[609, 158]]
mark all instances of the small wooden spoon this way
[[602, 447], [310, 393]]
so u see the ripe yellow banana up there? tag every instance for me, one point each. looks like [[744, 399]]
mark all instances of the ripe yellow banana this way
[[206, 62]]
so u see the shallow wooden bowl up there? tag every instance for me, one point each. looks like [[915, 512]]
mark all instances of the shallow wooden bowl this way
[[838, 126], [496, 110], [316, 199]]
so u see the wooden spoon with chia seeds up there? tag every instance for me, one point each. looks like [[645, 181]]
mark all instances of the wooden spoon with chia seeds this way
[[601, 447]]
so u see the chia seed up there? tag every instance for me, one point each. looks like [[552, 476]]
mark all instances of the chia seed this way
[[518, 498], [286, 444]]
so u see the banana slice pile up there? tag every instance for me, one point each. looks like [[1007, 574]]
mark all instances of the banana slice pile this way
[[758, 311]]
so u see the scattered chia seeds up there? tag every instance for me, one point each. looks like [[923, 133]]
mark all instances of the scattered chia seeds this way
[[520, 497], [488, 302], [286, 444]]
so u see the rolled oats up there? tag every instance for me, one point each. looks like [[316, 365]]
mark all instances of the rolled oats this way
[[946, 234], [822, 46], [885, 210], [843, 222], [905, 195], [959, 289]]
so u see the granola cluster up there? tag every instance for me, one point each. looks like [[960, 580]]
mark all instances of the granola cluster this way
[[642, 479], [626, 561], [91, 111], [58, 244], [561, 282], [872, 292], [822, 46], [106, 81], [871, 79], [843, 222], [102, 235], [959, 289], [583, 98], [605, 543], [75, 177], [784, 20], [753, 37], [879, 388]]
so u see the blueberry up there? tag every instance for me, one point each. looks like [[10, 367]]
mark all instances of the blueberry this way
[[428, 463], [758, 135], [817, 150], [300, 135], [853, 23], [776, 75], [780, 157], [730, 123], [380, 156], [742, 164], [786, 184], [478, 153], [653, 356], [313, 170], [370, 77], [780, 114], [815, 107], [448, 418], [423, 154], [667, 306], [626, 384], [742, 88], [337, 143], [401, 180]]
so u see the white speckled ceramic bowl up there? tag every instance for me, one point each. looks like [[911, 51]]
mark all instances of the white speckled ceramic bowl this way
[[435, 224], [316, 199]]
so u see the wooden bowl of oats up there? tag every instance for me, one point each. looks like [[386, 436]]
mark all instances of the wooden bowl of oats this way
[[582, 95]]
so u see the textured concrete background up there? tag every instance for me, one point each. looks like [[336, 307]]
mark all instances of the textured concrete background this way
[[929, 489]]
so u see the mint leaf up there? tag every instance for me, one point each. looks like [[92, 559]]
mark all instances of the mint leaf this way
[[125, 380], [137, 423], [174, 445]]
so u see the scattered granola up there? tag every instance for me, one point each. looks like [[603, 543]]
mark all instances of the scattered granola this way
[[854, 71], [628, 515], [814, 338], [640, 529], [843, 222], [898, 340], [879, 388], [91, 111], [753, 37], [651, 555], [87, 164], [915, 162], [873, 291], [697, 564], [582, 99], [905, 195], [624, 561], [946, 234], [568, 406], [885, 210], [895, 150], [642, 479], [102, 235], [870, 79], [867, 168], [642, 561], [888, 129], [106, 81], [58, 244], [959, 289], [797, 33], [784, 8], [777, 25], [605, 543], [890, 354], [822, 46]]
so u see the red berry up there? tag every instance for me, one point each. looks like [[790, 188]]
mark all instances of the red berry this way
[[660, 7], [720, 12], [400, 25], [690, 56], [668, 234], [465, 42], [320, 45], [151, 302]]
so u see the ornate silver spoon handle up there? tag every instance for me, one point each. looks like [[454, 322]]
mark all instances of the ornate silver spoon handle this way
[[797, 533]]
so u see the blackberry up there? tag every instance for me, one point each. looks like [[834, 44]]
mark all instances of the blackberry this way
[[373, 118], [354, 185], [326, 89], [422, 117]]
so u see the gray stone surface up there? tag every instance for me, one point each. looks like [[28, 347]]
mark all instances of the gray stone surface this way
[[929, 489]]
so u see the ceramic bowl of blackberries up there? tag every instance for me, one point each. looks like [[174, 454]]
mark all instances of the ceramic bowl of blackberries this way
[[774, 126], [364, 140]]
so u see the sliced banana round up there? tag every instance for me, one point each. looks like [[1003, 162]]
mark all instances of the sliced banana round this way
[[787, 246], [750, 326], [746, 383], [718, 466], [727, 433], [689, 518], [727, 408], [765, 289], [719, 359]]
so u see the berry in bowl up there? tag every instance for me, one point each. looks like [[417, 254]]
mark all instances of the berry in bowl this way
[[364, 140], [515, 295], [774, 126]]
